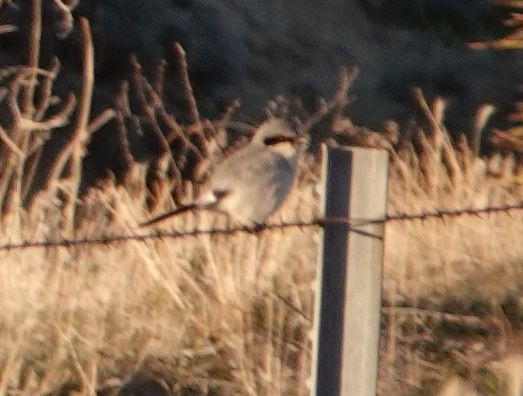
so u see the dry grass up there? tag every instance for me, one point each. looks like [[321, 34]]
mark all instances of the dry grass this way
[[207, 313], [230, 315], [452, 286]]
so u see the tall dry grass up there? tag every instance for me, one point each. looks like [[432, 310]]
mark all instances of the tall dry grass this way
[[451, 286], [230, 315], [210, 314]]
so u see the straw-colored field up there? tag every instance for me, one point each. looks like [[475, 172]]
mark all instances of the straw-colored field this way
[[231, 314]]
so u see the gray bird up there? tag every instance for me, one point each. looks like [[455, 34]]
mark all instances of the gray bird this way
[[252, 182]]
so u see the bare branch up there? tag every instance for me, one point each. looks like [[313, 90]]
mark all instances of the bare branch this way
[[100, 120], [186, 83], [81, 125], [33, 54], [9, 143], [8, 29], [65, 20]]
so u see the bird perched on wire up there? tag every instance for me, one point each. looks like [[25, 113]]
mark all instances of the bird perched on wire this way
[[253, 181]]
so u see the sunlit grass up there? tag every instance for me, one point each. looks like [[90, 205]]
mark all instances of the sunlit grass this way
[[231, 314]]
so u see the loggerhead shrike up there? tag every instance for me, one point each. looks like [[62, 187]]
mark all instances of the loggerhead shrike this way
[[251, 183]]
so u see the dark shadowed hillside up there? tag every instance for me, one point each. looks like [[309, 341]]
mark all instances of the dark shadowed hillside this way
[[254, 50]]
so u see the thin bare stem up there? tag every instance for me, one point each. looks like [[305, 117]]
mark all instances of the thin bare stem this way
[[65, 19], [481, 118], [81, 124], [33, 54], [101, 120], [44, 100], [7, 29], [10, 144], [186, 83]]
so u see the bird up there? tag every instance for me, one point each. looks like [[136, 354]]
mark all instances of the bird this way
[[251, 184]]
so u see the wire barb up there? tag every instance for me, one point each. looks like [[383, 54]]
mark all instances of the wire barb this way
[[354, 225]]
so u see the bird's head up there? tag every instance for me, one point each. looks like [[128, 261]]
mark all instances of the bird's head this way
[[277, 136]]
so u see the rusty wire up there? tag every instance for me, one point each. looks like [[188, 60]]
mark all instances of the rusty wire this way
[[353, 225]]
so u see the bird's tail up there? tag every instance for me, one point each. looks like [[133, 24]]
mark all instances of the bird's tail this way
[[208, 200], [172, 213]]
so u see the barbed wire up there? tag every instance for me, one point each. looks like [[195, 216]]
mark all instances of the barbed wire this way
[[353, 225], [438, 214]]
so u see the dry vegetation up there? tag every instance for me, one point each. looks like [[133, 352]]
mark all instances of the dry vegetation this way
[[230, 314], [512, 138], [452, 287]]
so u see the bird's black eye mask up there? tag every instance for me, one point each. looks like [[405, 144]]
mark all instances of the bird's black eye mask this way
[[274, 140]]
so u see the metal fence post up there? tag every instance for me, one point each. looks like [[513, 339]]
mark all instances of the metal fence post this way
[[348, 293]]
